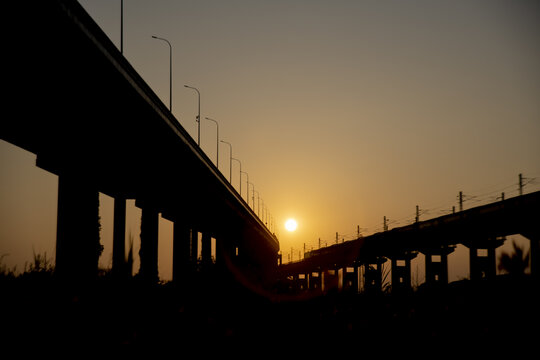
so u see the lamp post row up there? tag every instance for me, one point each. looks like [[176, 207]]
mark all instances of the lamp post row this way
[[198, 119]]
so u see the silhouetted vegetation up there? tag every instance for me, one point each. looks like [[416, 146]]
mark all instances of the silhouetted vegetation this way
[[212, 312], [515, 263]]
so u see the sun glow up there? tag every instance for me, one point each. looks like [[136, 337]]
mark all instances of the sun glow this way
[[291, 225]]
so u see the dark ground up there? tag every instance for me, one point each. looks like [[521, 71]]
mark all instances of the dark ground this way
[[38, 313]]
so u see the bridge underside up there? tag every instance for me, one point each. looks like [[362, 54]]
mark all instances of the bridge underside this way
[[77, 103]]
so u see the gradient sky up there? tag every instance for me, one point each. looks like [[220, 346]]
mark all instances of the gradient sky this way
[[342, 112]]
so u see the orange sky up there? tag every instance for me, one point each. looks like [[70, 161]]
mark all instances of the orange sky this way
[[342, 112]]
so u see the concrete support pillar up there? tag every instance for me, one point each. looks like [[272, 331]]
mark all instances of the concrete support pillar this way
[[355, 278], [401, 271], [226, 245], [373, 274], [149, 244], [315, 281], [436, 260], [330, 280], [194, 247], [482, 260], [206, 250], [224, 251], [303, 282], [119, 269], [350, 279], [534, 253], [77, 237], [361, 278], [534, 257], [181, 249]]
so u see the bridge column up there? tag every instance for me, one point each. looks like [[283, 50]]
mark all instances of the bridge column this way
[[181, 248], [437, 264], [401, 271], [483, 265], [225, 251], [373, 274], [149, 244], [534, 256], [303, 282], [350, 279], [314, 282], [194, 248], [206, 250], [534, 253], [329, 280], [119, 239], [77, 236]]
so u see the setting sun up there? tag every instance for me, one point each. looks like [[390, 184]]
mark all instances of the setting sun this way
[[291, 225]]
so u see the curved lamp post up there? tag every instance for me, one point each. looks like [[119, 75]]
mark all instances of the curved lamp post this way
[[247, 184], [199, 114], [217, 141], [230, 160], [170, 69], [240, 175]]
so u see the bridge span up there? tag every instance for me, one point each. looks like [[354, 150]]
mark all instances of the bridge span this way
[[481, 229], [77, 103]]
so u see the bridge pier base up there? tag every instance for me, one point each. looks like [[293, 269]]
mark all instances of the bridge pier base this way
[[148, 252], [437, 264], [401, 271], [482, 260], [350, 279], [300, 282], [314, 281], [77, 237], [329, 280], [373, 274]]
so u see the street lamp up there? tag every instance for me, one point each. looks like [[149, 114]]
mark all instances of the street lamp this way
[[199, 114], [230, 161], [258, 201], [253, 198], [122, 26], [263, 211], [240, 175], [217, 141], [170, 69], [247, 184]]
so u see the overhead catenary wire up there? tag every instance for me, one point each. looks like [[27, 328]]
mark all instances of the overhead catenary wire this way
[[476, 197]]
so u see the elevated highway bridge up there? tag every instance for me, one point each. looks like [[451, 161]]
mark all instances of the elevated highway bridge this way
[[77, 103]]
